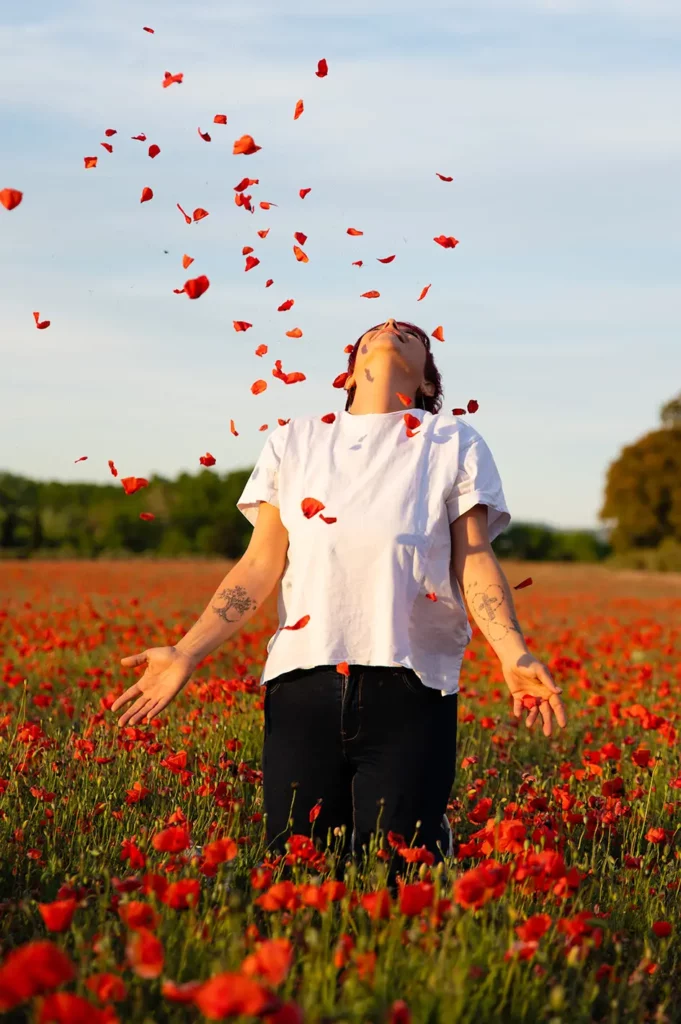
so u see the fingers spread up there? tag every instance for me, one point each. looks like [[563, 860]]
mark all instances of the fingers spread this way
[[531, 717], [545, 709], [139, 703], [559, 710]]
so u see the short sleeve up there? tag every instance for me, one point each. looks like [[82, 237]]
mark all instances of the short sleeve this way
[[478, 482], [263, 483]]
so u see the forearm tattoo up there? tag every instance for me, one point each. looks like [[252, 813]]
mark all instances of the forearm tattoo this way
[[236, 599], [492, 610]]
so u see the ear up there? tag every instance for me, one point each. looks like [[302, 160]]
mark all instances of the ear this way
[[427, 387], [350, 382]]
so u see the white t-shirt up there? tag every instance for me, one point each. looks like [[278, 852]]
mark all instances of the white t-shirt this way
[[363, 579]]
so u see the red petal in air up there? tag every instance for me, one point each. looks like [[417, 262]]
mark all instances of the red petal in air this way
[[299, 624], [299, 254], [251, 261], [245, 182], [263, 427], [220, 119], [245, 145], [246, 249], [300, 238], [303, 192], [311, 506], [114, 471], [299, 109], [411, 422], [147, 29], [472, 405], [107, 146], [322, 69], [261, 350], [110, 131], [329, 417], [424, 292], [186, 216], [329, 519], [438, 334], [458, 412], [386, 259], [525, 583], [354, 231], [265, 206], [404, 399], [233, 428], [258, 386], [81, 459], [446, 241], [10, 198], [357, 263], [268, 282], [147, 194], [295, 333], [341, 379], [132, 484], [264, 233], [370, 295], [204, 135], [200, 213], [186, 260], [241, 325], [90, 161], [168, 79], [207, 459], [139, 138], [285, 305], [154, 150], [443, 177], [197, 286], [41, 324]]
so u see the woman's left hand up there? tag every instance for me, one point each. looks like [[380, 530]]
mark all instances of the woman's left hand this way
[[532, 688]]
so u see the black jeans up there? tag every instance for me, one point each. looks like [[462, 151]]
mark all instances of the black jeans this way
[[377, 742]]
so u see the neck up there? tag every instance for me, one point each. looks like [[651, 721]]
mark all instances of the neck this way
[[382, 397]]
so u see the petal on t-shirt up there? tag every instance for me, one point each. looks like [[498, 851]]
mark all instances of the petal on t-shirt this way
[[311, 506], [299, 624]]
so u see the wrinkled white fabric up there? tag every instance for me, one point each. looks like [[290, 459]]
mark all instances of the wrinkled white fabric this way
[[363, 579]]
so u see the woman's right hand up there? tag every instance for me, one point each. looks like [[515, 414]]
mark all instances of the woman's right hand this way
[[167, 671]]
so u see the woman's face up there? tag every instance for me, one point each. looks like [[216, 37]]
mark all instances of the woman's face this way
[[393, 341]]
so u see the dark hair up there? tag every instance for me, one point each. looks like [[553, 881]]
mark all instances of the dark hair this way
[[431, 403]]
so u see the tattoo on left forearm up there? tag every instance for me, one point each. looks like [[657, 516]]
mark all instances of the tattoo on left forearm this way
[[236, 598], [492, 610]]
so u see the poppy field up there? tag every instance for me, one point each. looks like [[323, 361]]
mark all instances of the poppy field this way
[[135, 882]]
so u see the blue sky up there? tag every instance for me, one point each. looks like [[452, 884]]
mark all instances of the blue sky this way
[[560, 306]]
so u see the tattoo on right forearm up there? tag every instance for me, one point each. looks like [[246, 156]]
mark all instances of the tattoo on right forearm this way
[[235, 598], [492, 612]]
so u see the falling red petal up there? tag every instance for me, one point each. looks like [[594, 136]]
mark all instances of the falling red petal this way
[[241, 325], [404, 399], [107, 146], [264, 233], [204, 135], [169, 79], [199, 213], [329, 519], [443, 177], [299, 624], [268, 282], [139, 138], [132, 484], [424, 292], [147, 194], [300, 255], [81, 459], [41, 324], [299, 109], [251, 261], [196, 286], [322, 68], [220, 119], [154, 150], [186, 260], [303, 192], [341, 379], [114, 471], [354, 231], [258, 386], [90, 161], [370, 295], [411, 422], [295, 333], [525, 583], [472, 405], [10, 198], [446, 241], [147, 29], [207, 459], [263, 427], [329, 417], [357, 263], [386, 259], [186, 216], [265, 205], [438, 334], [245, 146], [458, 412], [233, 428], [285, 305], [300, 237], [110, 131], [261, 350]]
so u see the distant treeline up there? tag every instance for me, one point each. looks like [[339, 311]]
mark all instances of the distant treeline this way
[[193, 515]]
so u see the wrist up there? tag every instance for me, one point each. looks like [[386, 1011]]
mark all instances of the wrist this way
[[193, 657]]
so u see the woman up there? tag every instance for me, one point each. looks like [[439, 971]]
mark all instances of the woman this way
[[370, 520]]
